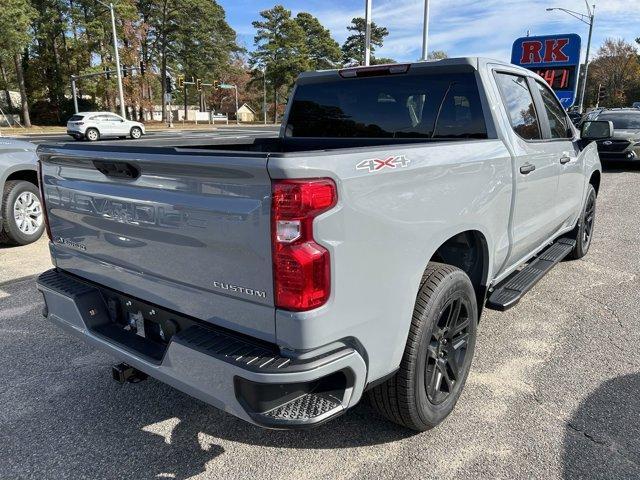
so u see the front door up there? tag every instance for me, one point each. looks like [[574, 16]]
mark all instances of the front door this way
[[561, 144]]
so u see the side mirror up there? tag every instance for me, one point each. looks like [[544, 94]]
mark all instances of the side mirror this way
[[596, 130]]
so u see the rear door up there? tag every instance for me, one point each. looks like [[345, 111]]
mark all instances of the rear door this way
[[536, 169], [189, 232]]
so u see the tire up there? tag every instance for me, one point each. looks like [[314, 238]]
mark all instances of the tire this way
[[136, 133], [92, 134], [22, 216], [583, 233], [419, 396]]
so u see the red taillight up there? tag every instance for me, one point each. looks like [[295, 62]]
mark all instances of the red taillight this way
[[42, 201], [302, 270]]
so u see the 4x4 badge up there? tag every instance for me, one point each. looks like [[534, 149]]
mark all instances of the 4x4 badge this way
[[376, 164]]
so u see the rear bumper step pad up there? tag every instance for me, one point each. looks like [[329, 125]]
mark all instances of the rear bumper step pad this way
[[508, 293]]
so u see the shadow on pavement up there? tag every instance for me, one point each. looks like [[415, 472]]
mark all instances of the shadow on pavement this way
[[97, 429], [602, 439]]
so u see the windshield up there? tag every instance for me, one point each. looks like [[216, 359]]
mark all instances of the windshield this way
[[622, 121], [392, 106]]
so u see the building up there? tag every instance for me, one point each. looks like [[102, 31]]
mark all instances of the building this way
[[246, 114]]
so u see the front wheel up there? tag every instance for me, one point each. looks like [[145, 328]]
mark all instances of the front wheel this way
[[136, 133], [583, 232], [438, 354]]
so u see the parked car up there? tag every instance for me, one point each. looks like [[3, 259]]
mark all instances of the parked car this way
[[21, 216], [283, 279], [625, 142], [96, 125], [635, 105]]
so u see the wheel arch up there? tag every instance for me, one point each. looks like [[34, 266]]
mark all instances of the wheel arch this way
[[594, 180], [469, 251]]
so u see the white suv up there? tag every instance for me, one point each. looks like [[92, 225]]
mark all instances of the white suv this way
[[96, 125]]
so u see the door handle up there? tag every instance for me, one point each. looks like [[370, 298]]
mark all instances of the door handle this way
[[564, 159], [527, 168]]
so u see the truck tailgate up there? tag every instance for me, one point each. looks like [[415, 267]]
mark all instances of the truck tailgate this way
[[189, 232]]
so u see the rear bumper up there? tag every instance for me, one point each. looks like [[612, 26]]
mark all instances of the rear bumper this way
[[246, 379]]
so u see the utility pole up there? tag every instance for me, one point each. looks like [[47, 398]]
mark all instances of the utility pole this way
[[74, 93], [116, 56], [264, 100], [588, 19], [367, 34], [425, 32]]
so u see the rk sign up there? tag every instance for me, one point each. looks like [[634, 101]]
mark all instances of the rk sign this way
[[556, 58]]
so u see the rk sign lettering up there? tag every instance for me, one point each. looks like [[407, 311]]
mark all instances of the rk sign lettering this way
[[556, 58]]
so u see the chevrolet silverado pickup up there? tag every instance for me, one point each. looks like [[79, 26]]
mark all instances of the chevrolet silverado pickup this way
[[282, 279]]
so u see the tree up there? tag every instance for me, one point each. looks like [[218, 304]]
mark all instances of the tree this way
[[437, 55], [15, 20], [353, 49], [617, 68], [280, 47], [324, 51]]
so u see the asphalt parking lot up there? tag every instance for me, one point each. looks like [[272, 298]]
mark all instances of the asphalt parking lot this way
[[554, 391]]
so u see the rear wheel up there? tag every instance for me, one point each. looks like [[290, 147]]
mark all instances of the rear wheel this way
[[22, 217], [136, 133], [583, 232], [438, 354], [92, 134]]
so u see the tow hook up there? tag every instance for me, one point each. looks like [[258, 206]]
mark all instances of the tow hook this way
[[124, 373]]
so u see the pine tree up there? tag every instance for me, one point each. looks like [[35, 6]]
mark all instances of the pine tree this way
[[353, 49], [324, 51], [15, 21], [280, 47]]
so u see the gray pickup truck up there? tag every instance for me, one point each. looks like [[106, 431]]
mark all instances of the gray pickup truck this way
[[281, 280]]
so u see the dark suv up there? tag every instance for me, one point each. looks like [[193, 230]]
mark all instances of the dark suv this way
[[625, 143]]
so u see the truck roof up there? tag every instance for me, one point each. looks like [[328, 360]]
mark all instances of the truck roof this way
[[475, 63]]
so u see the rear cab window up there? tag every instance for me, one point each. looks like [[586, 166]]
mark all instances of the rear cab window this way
[[408, 106]]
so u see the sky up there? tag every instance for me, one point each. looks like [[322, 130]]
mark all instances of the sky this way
[[459, 27]]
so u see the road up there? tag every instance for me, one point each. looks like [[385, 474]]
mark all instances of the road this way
[[172, 137], [553, 391]]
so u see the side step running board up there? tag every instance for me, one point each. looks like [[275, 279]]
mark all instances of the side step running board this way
[[508, 293]]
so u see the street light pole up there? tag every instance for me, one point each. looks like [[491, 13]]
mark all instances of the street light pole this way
[[588, 19], [264, 100], [425, 32], [367, 33], [116, 55]]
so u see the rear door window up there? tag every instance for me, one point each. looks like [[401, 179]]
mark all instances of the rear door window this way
[[519, 104], [440, 106]]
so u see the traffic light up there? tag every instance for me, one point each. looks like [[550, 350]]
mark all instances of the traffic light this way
[[180, 82], [168, 84], [215, 84], [107, 73], [602, 94], [199, 84], [143, 68], [124, 72]]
